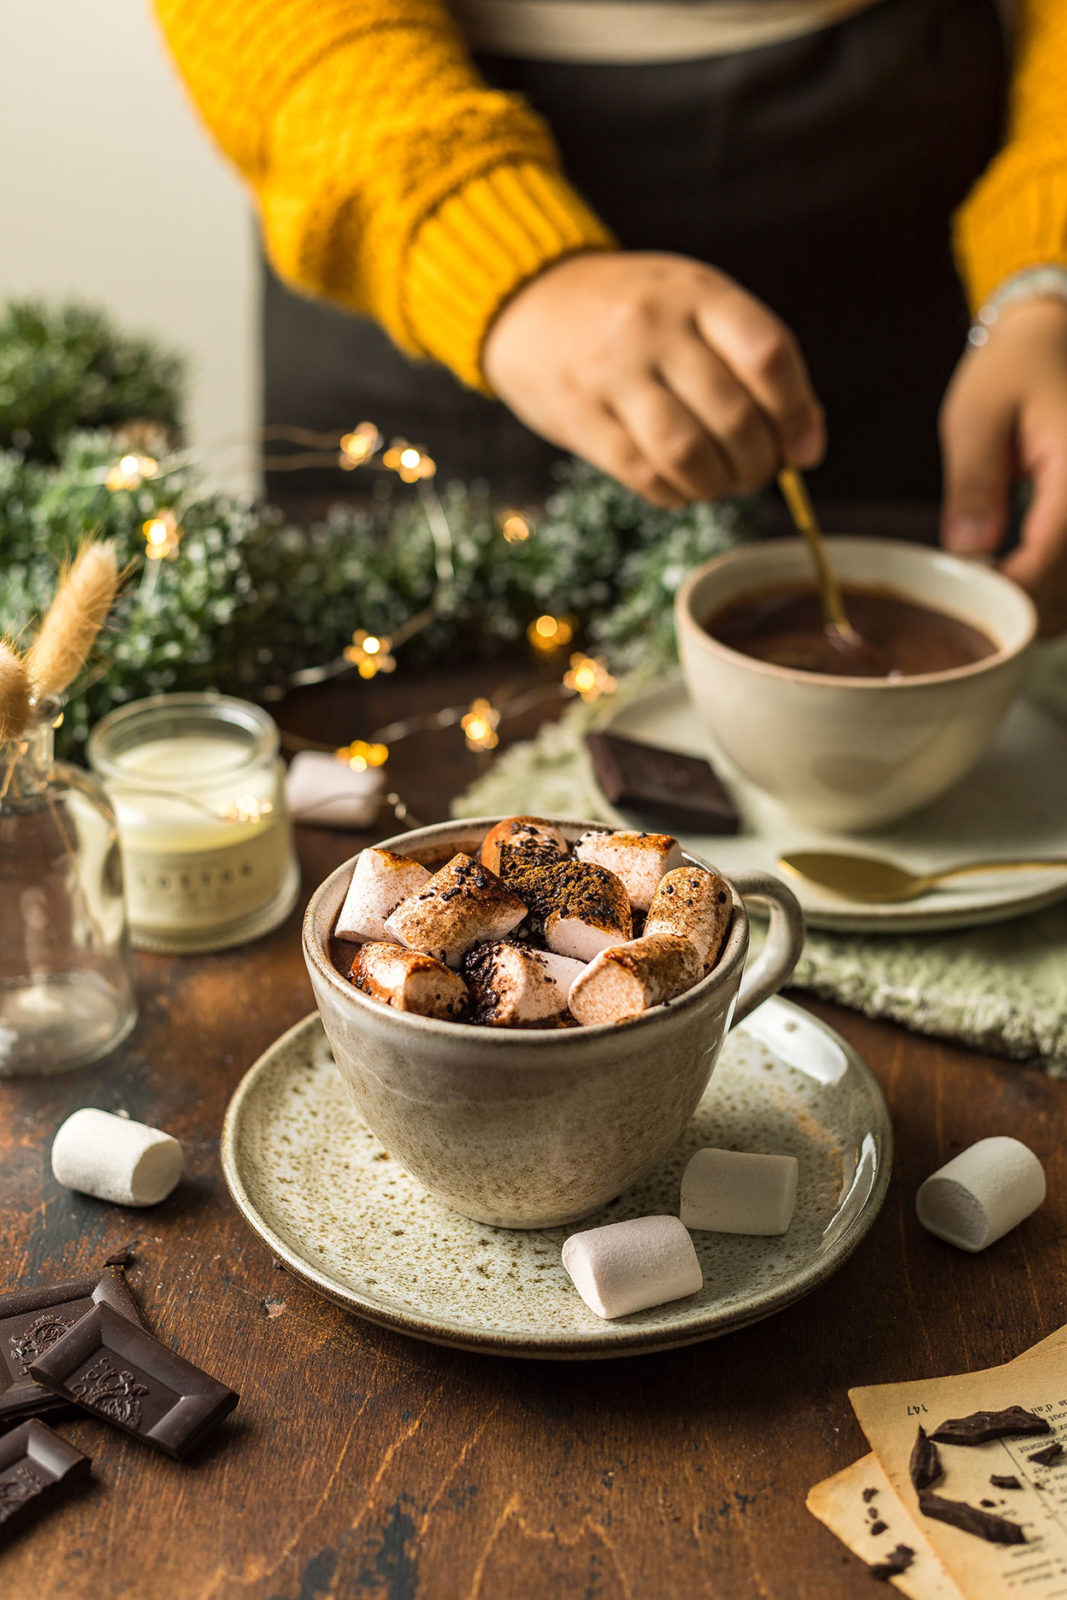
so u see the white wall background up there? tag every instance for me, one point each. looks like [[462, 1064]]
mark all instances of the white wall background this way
[[111, 191]]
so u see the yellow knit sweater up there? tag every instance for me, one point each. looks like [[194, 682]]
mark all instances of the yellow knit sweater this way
[[392, 181]]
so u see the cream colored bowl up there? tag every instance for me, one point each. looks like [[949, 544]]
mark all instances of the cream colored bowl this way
[[522, 1127], [853, 753]]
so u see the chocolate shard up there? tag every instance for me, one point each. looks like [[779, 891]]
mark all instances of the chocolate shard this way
[[118, 1371], [676, 789], [878, 1527], [969, 1519], [982, 1426], [35, 1462], [32, 1320], [1005, 1480], [896, 1562], [868, 1496], [924, 1467], [1048, 1454]]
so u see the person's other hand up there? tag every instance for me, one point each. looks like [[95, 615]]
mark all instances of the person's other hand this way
[[659, 370], [1005, 417]]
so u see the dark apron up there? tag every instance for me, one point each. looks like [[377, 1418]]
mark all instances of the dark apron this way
[[821, 173]]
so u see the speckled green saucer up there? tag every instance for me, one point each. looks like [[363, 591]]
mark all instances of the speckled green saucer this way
[[315, 1184]]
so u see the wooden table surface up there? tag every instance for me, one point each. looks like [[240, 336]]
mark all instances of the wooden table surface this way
[[361, 1463]]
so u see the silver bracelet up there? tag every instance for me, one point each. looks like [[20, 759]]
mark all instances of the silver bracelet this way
[[1033, 283]]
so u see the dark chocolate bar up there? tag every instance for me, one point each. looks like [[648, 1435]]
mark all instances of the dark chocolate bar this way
[[981, 1426], [32, 1320], [1048, 1454], [680, 791], [896, 1562], [117, 1370], [925, 1465], [34, 1462], [969, 1519], [1004, 1480]]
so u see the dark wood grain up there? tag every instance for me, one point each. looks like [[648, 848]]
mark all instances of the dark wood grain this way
[[361, 1463]]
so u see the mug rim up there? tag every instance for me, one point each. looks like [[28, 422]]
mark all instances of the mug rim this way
[[316, 951], [820, 682]]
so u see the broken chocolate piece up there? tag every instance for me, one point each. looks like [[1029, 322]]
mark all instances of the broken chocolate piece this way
[[34, 1462], [1005, 1480], [32, 1320], [982, 1426], [679, 790], [868, 1496], [896, 1562], [878, 1527], [924, 1466], [969, 1519], [117, 1370], [987, 1502], [1048, 1454]]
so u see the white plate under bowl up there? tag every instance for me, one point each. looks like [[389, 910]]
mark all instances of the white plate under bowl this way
[[1012, 804], [316, 1186]]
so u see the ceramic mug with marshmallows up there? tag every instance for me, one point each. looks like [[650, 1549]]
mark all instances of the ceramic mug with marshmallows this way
[[532, 1128]]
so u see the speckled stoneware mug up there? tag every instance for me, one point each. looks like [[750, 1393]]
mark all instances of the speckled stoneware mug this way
[[523, 1127]]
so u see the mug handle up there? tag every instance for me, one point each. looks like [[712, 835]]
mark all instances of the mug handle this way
[[781, 951]]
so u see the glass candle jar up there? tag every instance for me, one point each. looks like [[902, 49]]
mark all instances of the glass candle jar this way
[[66, 997], [197, 787]]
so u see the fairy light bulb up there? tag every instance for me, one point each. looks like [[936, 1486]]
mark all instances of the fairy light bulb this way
[[408, 461], [589, 677], [162, 536], [515, 528], [359, 755], [359, 446], [547, 633], [480, 724], [370, 654]]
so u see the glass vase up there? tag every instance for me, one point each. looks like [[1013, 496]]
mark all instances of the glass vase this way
[[66, 994]]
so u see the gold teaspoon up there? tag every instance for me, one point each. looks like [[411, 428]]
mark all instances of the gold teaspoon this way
[[795, 493], [877, 881]]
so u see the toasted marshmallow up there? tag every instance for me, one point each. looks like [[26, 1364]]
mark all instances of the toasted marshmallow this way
[[629, 979], [695, 903], [519, 842], [579, 907], [380, 881], [513, 985], [460, 906], [639, 859], [407, 980]]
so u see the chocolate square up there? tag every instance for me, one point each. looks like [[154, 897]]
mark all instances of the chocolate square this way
[[666, 787], [33, 1320], [34, 1463], [118, 1371]]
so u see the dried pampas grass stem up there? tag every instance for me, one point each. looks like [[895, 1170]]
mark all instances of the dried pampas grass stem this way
[[85, 596], [14, 692]]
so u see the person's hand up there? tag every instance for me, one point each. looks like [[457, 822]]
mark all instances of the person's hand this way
[[659, 370], [1004, 417]]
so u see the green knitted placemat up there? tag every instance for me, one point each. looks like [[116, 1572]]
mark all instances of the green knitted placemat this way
[[1001, 988]]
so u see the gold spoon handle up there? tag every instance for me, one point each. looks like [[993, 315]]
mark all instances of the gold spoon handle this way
[[1035, 864], [795, 494]]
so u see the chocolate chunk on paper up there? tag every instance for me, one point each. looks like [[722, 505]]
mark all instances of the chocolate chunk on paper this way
[[35, 1463], [681, 791], [118, 1371], [981, 1426], [1049, 1454], [839, 1503], [924, 1465], [32, 1320], [970, 1519], [1004, 1480], [892, 1565]]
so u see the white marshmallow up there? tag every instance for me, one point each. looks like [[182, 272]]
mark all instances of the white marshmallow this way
[[407, 980], [321, 789], [460, 906], [115, 1158], [514, 983], [581, 907], [737, 1191], [639, 859], [628, 979], [521, 842], [981, 1194], [695, 903], [629, 1266], [381, 880]]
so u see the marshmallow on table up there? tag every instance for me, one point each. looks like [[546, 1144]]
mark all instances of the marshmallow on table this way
[[628, 979], [639, 859], [460, 906], [629, 1266], [321, 789], [407, 980], [518, 842], [696, 903], [115, 1158], [582, 907], [981, 1194], [514, 984], [737, 1191], [380, 881]]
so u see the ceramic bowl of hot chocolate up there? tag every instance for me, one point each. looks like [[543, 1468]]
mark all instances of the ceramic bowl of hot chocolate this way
[[841, 751]]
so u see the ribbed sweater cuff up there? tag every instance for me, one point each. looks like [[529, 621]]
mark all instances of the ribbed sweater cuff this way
[[478, 248], [1013, 222]]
